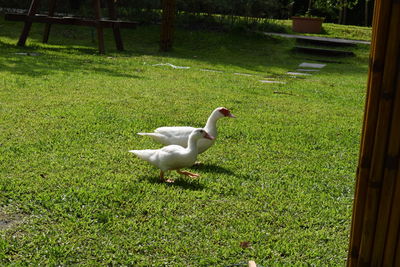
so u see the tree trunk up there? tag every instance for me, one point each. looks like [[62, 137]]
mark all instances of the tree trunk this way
[[344, 18], [366, 13], [309, 7], [340, 17]]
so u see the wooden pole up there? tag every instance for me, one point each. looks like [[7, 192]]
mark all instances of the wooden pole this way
[[397, 259], [368, 135], [374, 210], [389, 177], [376, 179], [167, 25], [392, 226]]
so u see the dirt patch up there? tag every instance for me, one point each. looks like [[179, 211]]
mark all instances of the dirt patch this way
[[9, 220]]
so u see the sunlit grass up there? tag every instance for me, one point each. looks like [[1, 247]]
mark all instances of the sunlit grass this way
[[279, 179]]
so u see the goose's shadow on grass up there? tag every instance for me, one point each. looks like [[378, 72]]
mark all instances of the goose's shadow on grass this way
[[185, 183], [211, 168]]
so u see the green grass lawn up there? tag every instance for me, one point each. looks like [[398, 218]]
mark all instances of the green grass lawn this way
[[333, 30], [276, 188]]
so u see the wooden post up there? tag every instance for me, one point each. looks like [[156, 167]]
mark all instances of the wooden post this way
[[167, 25], [99, 27], [52, 7], [375, 224], [116, 29], [28, 24]]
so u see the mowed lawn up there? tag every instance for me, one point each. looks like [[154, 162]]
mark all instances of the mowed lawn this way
[[276, 188]]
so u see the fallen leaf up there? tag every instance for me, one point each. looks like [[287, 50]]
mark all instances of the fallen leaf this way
[[245, 244]]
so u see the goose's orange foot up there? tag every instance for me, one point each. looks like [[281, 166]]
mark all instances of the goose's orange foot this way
[[163, 180], [190, 174]]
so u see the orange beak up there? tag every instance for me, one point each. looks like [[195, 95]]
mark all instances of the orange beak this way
[[208, 136]]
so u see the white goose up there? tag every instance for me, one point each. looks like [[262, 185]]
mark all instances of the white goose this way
[[175, 157], [178, 135]]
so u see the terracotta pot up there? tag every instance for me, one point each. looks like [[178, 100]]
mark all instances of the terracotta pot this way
[[306, 24]]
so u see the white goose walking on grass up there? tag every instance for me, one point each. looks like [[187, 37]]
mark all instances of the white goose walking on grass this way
[[175, 157], [179, 135]]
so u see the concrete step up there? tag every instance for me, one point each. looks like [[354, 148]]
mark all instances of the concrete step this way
[[323, 51]]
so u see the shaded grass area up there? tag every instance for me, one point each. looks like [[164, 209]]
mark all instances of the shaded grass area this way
[[280, 178]]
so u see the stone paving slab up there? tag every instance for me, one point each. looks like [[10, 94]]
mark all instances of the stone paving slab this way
[[307, 70], [269, 81], [312, 65], [297, 73]]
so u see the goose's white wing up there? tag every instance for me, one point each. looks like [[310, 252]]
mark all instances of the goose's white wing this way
[[171, 135]]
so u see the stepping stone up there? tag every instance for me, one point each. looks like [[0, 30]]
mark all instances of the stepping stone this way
[[211, 70], [243, 74], [171, 65], [27, 54], [312, 65], [297, 73], [309, 70], [268, 81]]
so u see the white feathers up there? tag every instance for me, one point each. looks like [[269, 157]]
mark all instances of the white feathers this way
[[174, 157], [179, 135]]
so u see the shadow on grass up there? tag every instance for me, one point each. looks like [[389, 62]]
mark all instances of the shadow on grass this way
[[184, 183], [251, 51], [33, 61], [212, 168]]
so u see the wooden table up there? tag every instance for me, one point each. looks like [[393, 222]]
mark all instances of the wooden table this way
[[98, 22]]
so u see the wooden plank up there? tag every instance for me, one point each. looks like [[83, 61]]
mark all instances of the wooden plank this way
[[41, 18]]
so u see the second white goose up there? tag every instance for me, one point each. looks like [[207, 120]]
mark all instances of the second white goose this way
[[175, 157], [179, 135]]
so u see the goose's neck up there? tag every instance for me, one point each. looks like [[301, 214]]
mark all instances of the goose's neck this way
[[211, 125], [192, 145]]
